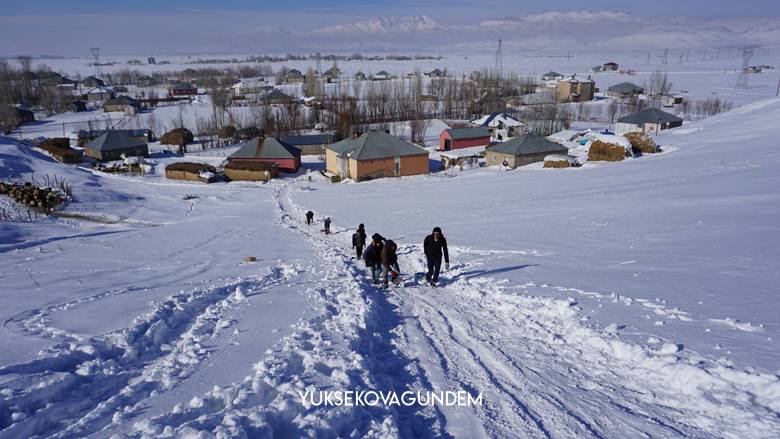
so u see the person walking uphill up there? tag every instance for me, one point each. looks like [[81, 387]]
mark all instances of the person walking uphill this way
[[389, 262], [373, 256], [359, 240], [309, 217], [327, 226], [435, 245]]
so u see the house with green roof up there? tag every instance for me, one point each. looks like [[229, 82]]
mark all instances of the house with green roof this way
[[375, 154], [522, 150], [268, 150], [624, 90], [112, 145]]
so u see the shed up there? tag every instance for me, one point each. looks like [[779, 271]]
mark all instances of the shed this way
[[268, 150], [276, 97], [113, 144], [123, 104], [610, 67], [375, 154], [182, 89], [311, 144], [191, 171], [457, 138], [250, 171], [523, 150]]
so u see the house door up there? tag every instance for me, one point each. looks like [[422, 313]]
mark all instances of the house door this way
[[344, 167], [447, 144], [397, 167]]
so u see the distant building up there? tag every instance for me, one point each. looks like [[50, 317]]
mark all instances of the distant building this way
[[122, 104], [380, 76], [360, 76], [77, 106], [113, 144], [182, 89], [375, 154], [251, 86], [501, 126], [522, 150], [294, 76], [276, 97], [151, 60], [625, 90], [576, 90], [142, 135], [268, 150], [459, 138], [100, 94], [436, 73], [92, 82], [610, 67], [551, 76], [647, 120]]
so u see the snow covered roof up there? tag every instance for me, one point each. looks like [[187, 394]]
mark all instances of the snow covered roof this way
[[626, 87], [610, 138], [266, 148], [650, 115], [528, 144], [276, 94], [493, 120], [552, 74], [468, 133], [463, 152], [375, 144], [565, 135]]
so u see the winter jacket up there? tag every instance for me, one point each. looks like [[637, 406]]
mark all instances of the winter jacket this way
[[359, 239], [434, 249], [389, 257], [372, 255]]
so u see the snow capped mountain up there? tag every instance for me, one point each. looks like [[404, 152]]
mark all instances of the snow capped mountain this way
[[413, 24], [563, 18]]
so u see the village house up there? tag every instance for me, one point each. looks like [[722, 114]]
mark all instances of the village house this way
[[501, 126], [375, 154], [142, 135], [112, 145], [552, 76], [625, 90], [100, 94], [459, 138], [92, 82], [380, 76], [576, 90], [436, 73], [332, 74], [294, 76], [522, 150], [610, 67], [276, 97], [647, 120], [251, 86], [182, 89], [66, 84], [360, 76], [311, 144], [264, 149], [122, 104]]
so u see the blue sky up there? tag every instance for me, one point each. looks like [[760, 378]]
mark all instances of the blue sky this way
[[456, 10]]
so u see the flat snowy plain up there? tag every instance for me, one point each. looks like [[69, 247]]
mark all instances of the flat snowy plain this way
[[632, 299]]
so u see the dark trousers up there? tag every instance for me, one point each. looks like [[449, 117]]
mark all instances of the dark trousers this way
[[308, 221], [434, 266], [359, 252]]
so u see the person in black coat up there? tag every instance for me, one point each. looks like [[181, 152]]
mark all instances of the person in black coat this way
[[359, 240], [309, 217], [327, 226], [435, 245], [373, 256]]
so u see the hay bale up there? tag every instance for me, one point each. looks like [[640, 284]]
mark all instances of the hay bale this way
[[251, 171], [59, 148], [190, 171], [57, 142], [557, 161], [607, 152], [642, 142], [178, 136], [227, 132]]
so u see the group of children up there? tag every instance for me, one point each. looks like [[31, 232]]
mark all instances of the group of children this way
[[382, 260]]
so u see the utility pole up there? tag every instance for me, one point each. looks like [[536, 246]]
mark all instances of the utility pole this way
[[777, 93]]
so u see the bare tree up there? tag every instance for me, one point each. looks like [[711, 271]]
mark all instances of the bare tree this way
[[658, 84]]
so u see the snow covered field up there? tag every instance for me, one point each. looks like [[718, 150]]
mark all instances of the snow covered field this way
[[614, 300]]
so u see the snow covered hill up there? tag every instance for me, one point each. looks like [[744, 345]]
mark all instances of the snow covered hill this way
[[633, 299]]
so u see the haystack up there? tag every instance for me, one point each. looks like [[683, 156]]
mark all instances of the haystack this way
[[251, 171], [191, 171], [642, 142], [557, 161], [607, 152], [59, 148], [177, 136]]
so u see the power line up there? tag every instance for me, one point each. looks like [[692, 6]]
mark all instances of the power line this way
[[744, 74]]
